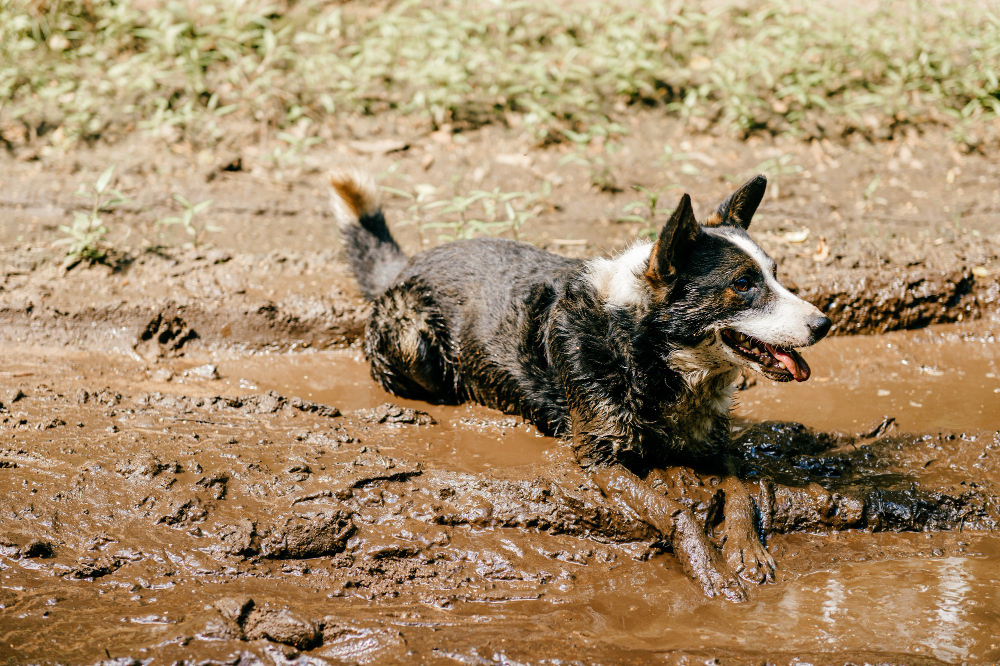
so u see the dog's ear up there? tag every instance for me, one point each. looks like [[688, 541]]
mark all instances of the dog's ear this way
[[738, 209], [679, 231]]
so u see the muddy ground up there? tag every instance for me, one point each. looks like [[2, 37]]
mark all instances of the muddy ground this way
[[195, 466]]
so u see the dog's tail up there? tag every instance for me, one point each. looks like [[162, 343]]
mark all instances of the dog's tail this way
[[372, 253]]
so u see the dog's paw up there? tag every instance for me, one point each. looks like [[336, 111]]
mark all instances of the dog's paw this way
[[703, 562], [720, 580], [749, 559]]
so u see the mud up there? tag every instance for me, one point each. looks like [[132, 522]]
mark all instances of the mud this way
[[280, 507], [940, 377], [163, 303], [195, 465], [921, 248]]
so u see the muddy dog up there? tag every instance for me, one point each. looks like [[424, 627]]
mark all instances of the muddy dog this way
[[633, 357]]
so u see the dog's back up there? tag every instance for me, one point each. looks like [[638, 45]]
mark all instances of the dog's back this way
[[462, 321]]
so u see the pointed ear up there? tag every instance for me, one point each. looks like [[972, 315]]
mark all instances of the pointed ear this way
[[738, 209], [680, 230]]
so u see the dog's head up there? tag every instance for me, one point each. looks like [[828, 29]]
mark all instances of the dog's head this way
[[717, 295]]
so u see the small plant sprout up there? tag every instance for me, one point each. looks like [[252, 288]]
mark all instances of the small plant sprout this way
[[289, 158], [646, 211], [685, 160], [87, 235], [477, 213], [196, 231], [776, 169], [588, 146]]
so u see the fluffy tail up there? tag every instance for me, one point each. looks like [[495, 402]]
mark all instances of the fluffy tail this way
[[372, 253]]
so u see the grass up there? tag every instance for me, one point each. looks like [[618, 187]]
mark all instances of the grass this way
[[75, 70], [647, 211], [477, 213], [87, 235], [196, 229]]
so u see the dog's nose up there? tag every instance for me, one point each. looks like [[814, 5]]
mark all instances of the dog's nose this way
[[819, 327]]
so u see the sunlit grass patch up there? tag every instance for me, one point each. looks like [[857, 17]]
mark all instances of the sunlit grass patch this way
[[77, 70]]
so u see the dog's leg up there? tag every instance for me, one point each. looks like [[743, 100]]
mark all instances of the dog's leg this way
[[743, 549], [406, 342], [699, 558]]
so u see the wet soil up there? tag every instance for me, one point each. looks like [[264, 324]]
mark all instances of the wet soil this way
[[922, 247], [282, 507], [194, 464]]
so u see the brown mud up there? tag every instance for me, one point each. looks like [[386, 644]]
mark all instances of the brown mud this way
[[280, 507], [159, 303], [194, 464], [921, 247]]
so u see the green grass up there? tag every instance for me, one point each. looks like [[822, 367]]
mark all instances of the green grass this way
[[86, 237], [196, 229], [478, 213], [647, 210], [75, 70]]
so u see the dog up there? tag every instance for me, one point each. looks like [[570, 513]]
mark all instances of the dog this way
[[631, 357]]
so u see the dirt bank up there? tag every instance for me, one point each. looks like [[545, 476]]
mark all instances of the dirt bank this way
[[166, 302]]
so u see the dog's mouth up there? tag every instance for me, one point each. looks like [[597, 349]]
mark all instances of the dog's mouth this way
[[776, 363]]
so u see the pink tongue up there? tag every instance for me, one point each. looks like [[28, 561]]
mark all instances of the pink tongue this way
[[792, 361]]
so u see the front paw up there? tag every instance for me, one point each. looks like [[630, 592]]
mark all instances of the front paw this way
[[703, 562], [748, 557], [720, 579]]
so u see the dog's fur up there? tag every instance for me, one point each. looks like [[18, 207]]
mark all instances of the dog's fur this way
[[633, 356], [623, 353]]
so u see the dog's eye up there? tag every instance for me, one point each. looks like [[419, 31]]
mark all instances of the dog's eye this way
[[742, 284]]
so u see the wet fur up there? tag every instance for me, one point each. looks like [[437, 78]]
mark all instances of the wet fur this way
[[618, 353]]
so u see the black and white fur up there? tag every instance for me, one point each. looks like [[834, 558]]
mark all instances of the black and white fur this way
[[624, 353], [633, 356]]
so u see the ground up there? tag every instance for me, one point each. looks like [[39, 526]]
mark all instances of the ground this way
[[195, 465]]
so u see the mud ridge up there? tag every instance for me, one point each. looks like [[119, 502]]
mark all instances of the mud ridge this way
[[163, 305], [865, 304]]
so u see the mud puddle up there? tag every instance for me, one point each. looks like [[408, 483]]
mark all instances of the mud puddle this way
[[938, 608], [942, 378], [938, 378], [466, 438], [280, 508]]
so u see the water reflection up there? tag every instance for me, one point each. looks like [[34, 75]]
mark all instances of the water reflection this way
[[833, 606], [945, 608], [952, 605]]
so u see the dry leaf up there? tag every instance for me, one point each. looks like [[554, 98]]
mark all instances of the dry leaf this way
[[513, 159], [822, 250], [799, 236]]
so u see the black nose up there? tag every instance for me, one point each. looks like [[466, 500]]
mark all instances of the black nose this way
[[820, 326]]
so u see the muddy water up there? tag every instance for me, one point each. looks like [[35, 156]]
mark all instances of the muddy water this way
[[466, 438], [169, 493], [945, 608], [938, 378]]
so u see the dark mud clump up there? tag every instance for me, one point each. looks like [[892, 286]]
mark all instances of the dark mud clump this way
[[394, 414], [267, 403], [308, 535]]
